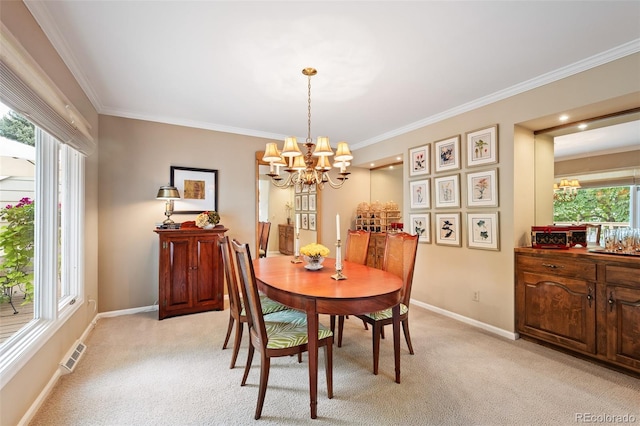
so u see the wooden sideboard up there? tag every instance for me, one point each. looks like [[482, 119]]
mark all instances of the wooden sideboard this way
[[191, 275], [585, 302], [286, 237]]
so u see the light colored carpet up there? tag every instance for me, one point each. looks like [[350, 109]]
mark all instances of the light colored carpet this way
[[141, 371]]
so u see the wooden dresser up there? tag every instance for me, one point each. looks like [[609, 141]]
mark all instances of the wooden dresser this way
[[585, 302], [286, 237], [191, 275]]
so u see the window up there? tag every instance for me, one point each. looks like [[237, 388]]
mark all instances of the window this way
[[50, 176], [612, 206]]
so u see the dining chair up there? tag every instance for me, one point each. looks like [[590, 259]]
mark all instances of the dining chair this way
[[356, 251], [237, 310], [278, 334], [399, 259], [263, 243]]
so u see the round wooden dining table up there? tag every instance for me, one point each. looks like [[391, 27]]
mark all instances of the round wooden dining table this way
[[365, 290]]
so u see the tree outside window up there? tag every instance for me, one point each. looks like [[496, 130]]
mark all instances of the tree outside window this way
[[595, 205]]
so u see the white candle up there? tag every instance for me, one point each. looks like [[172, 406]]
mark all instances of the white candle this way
[[297, 223], [338, 226]]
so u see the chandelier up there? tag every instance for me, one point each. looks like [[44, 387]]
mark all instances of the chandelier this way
[[566, 191], [311, 167]]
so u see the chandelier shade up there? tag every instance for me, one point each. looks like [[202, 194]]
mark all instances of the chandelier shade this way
[[566, 190], [312, 166]]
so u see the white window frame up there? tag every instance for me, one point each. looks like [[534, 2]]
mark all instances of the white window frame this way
[[49, 312]]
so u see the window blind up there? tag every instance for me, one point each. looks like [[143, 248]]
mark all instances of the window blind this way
[[26, 88]]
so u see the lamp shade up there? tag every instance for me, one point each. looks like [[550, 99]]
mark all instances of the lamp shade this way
[[298, 163], [323, 164], [323, 148], [291, 148], [343, 153], [167, 192], [271, 154]]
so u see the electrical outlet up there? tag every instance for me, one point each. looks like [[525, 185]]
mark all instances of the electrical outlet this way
[[476, 296]]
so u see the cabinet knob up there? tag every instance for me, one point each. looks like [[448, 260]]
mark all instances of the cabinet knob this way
[[611, 302]]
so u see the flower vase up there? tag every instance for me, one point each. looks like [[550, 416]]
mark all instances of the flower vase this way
[[208, 226], [313, 262]]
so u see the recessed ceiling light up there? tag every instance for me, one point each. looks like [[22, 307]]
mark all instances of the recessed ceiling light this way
[[399, 158], [373, 164], [391, 167], [564, 117], [582, 126]]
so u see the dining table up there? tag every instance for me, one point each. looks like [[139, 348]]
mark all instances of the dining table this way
[[365, 289]]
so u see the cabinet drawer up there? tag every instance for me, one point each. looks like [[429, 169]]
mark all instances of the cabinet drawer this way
[[615, 274], [569, 267]]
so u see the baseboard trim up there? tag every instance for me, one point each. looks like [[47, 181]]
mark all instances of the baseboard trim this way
[[130, 311], [487, 327]]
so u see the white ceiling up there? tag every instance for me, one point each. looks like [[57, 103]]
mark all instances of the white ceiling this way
[[384, 67]]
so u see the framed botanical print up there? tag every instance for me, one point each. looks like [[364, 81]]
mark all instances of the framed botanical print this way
[[482, 188], [312, 221], [447, 191], [482, 146], [448, 229], [482, 231], [446, 154], [305, 202], [420, 225], [419, 194], [298, 202], [419, 160], [312, 202], [304, 218]]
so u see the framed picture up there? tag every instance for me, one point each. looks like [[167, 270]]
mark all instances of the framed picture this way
[[482, 231], [304, 217], [447, 191], [297, 188], [298, 203], [420, 225], [448, 229], [419, 193], [312, 221], [305, 202], [447, 154], [482, 146], [482, 188], [312, 202], [312, 187], [198, 189], [419, 160]]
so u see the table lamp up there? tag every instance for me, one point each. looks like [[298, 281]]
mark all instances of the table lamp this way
[[168, 193]]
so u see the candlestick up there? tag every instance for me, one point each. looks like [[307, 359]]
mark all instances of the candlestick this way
[[338, 227], [338, 275], [297, 223], [296, 256]]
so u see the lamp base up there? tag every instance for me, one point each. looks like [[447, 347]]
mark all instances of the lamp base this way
[[296, 259]]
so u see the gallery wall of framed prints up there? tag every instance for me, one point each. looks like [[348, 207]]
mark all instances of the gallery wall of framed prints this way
[[454, 208], [305, 201]]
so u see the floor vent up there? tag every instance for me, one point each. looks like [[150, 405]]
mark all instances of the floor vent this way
[[71, 360]]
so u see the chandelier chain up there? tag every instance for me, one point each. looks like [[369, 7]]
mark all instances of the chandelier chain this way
[[309, 110]]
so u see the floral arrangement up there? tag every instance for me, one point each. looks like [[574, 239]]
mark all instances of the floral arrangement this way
[[207, 218], [314, 250]]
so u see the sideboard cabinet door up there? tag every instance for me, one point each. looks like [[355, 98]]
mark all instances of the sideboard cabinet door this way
[[190, 272]]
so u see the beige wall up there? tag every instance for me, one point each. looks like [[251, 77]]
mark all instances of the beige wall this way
[[387, 185], [22, 390], [135, 159], [446, 277]]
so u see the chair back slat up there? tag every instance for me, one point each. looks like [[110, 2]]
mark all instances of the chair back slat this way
[[250, 294], [264, 229], [400, 258], [357, 246], [230, 275]]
